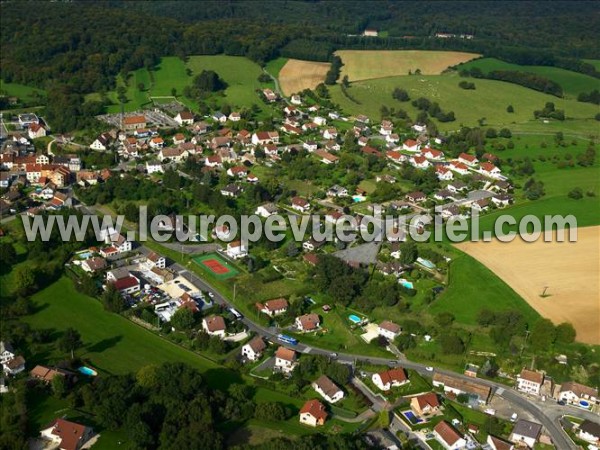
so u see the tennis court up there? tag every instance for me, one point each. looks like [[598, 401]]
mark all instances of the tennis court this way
[[216, 265]]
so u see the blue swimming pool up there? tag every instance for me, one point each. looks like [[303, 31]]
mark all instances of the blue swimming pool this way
[[87, 371], [84, 255], [426, 263], [354, 318], [411, 417], [407, 284], [358, 198], [584, 403]]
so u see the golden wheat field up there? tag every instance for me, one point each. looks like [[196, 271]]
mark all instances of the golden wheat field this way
[[297, 75]]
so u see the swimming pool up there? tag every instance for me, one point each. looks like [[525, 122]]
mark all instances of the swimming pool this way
[[584, 404], [354, 318], [84, 255], [426, 263], [410, 416], [87, 371], [358, 198], [407, 284]]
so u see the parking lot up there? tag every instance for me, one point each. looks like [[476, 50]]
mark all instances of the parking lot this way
[[155, 117]]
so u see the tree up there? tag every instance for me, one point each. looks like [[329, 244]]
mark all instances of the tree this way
[[505, 133], [345, 81], [576, 193], [70, 341], [292, 249], [113, 300], [173, 92], [183, 319], [8, 255], [401, 95], [408, 253], [24, 279], [384, 419], [452, 344], [444, 319], [491, 133], [59, 386], [510, 109], [270, 411], [543, 335], [565, 333]]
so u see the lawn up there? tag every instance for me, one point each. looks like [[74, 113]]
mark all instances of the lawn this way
[[274, 66], [26, 93], [593, 62], [489, 100], [573, 83]]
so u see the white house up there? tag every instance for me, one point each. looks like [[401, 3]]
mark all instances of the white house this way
[[285, 360], [313, 413], [155, 260], [395, 156], [273, 307], [430, 153], [467, 159], [443, 173], [254, 348], [389, 330], [14, 366], [265, 137], [219, 117], [7, 352], [101, 143], [93, 264], [328, 389], [235, 116], [459, 167], [420, 162], [530, 382], [127, 285], [590, 432], [154, 167], [35, 131], [184, 118], [310, 146], [156, 143], [419, 128], [330, 133], [320, 121], [300, 204], [489, 170], [526, 433], [66, 435], [214, 326], [447, 435], [572, 392], [410, 145], [296, 100], [266, 210], [307, 322], [390, 378], [119, 242], [236, 250], [498, 444]]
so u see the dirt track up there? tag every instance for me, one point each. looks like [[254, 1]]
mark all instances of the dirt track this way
[[298, 75], [569, 270]]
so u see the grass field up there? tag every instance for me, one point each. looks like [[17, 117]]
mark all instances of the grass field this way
[[275, 65], [594, 62], [368, 64], [572, 83], [214, 263], [489, 100], [568, 270], [297, 75], [25, 93]]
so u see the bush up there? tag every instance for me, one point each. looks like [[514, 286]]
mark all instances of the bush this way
[[576, 193]]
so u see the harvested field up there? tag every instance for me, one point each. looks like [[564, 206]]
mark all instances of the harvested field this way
[[368, 64], [298, 75], [568, 270]]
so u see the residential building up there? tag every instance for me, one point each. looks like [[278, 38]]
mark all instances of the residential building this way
[[101, 143], [300, 204], [273, 307], [154, 167], [285, 360], [184, 118], [572, 392], [312, 244], [447, 435], [14, 366], [419, 162], [155, 260], [35, 130], [590, 432], [7, 352], [66, 435], [525, 433], [307, 322], [266, 210], [46, 374], [328, 389], [232, 190], [390, 378], [456, 386], [410, 145], [313, 413], [467, 159], [389, 330], [254, 348], [127, 285], [430, 153], [265, 137], [530, 381], [236, 250], [425, 404], [214, 326], [496, 443], [416, 197], [93, 264], [133, 123]]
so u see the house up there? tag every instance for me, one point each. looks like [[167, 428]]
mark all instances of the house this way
[[416, 197], [489, 170], [285, 360], [266, 210], [7, 352], [328, 389], [119, 242], [590, 432], [368, 150], [184, 118], [572, 392], [337, 191], [295, 99], [213, 161], [155, 260], [502, 200], [443, 194], [498, 444], [35, 130], [308, 322], [410, 145], [221, 232], [390, 378], [66, 435], [265, 137], [525, 433], [27, 119], [173, 154], [471, 370], [467, 159], [392, 138], [326, 157], [530, 382], [291, 129], [481, 205], [443, 173], [270, 96], [310, 146], [300, 204], [459, 167], [395, 156], [235, 116], [319, 121], [93, 264], [425, 404], [363, 141], [419, 128], [154, 167], [386, 128], [456, 186], [231, 190], [46, 374], [430, 153], [236, 250], [455, 386], [370, 32], [156, 143], [363, 119], [127, 285], [330, 133], [133, 123], [101, 143], [312, 244], [14, 366], [254, 348], [447, 435], [219, 117], [214, 326], [389, 330], [420, 162], [273, 307], [313, 413], [237, 171]]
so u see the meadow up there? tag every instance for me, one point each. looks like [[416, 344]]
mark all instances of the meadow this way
[[573, 83], [488, 101], [25, 93], [368, 64]]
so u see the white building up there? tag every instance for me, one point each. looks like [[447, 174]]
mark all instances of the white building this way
[[572, 392], [328, 389], [254, 348], [389, 330], [525, 433], [214, 326], [530, 382], [389, 379], [266, 210], [184, 118], [447, 435], [285, 360], [313, 413], [154, 167], [236, 250]]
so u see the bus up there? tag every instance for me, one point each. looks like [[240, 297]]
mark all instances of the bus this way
[[236, 313], [287, 339]]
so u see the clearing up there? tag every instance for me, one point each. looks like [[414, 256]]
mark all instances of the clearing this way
[[568, 270], [297, 75], [368, 64]]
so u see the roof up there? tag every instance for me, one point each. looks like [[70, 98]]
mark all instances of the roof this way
[[214, 323], [71, 433], [467, 157], [186, 115], [447, 432], [153, 257], [468, 386], [134, 119], [500, 444], [579, 389], [390, 326], [45, 373], [590, 427], [328, 387], [410, 142], [285, 354], [309, 321], [416, 194], [527, 429], [299, 201], [429, 399], [393, 375], [257, 344], [531, 375], [95, 263], [315, 408], [126, 283], [488, 167], [16, 362], [6, 347]]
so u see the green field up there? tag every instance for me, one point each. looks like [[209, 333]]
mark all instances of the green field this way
[[594, 62], [573, 83], [274, 66], [489, 100], [26, 93], [213, 256]]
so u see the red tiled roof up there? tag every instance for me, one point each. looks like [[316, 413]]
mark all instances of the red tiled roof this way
[[126, 283], [285, 354], [70, 433], [315, 408], [446, 432], [215, 323]]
